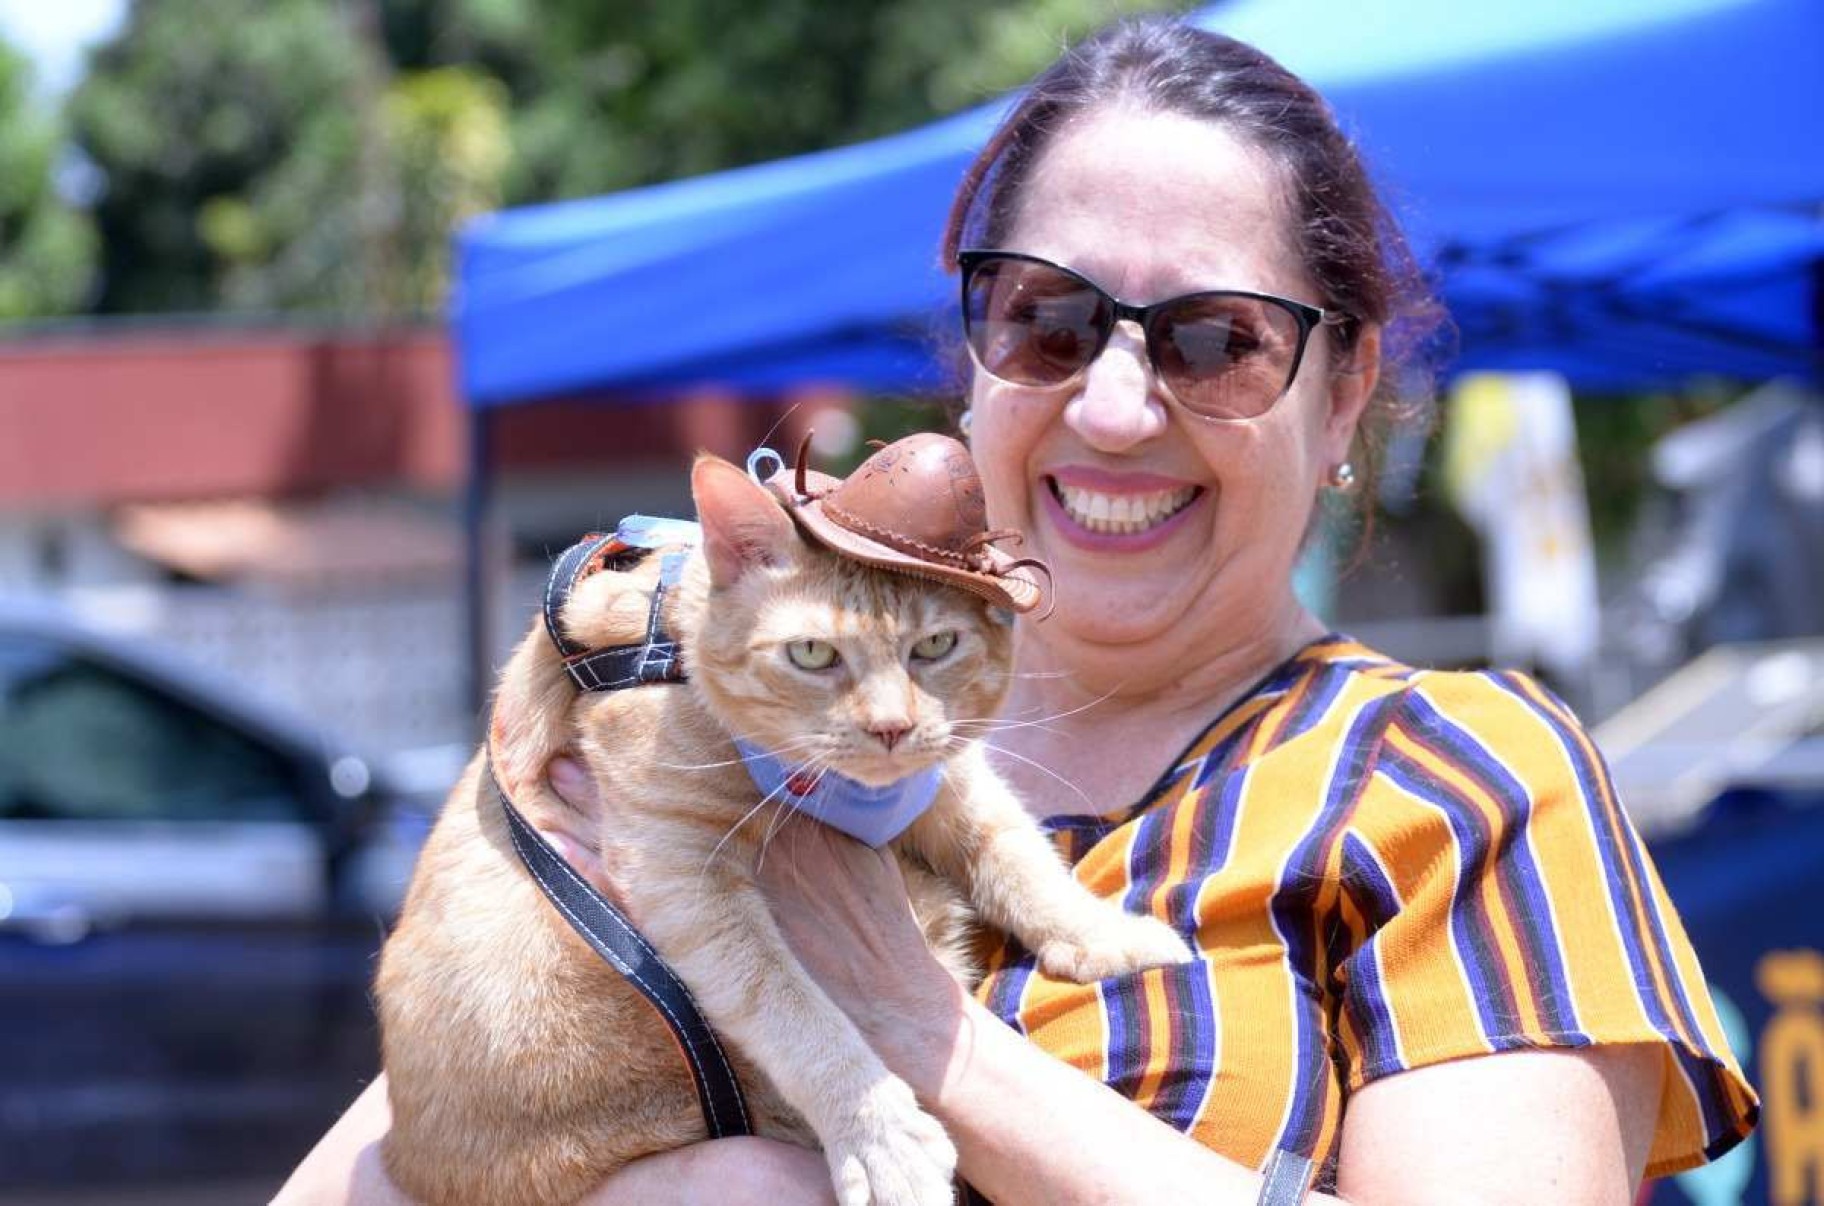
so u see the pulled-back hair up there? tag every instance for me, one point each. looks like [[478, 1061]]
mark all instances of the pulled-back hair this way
[[1347, 241]]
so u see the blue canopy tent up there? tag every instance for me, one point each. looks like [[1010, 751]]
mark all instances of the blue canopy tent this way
[[1626, 192]]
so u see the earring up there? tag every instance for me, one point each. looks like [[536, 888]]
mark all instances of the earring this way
[[1342, 477], [965, 421]]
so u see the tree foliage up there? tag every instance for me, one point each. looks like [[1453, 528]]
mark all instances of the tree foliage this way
[[315, 155], [47, 249]]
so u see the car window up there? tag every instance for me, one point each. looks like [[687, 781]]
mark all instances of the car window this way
[[80, 740]]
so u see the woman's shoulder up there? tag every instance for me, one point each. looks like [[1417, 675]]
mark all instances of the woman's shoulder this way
[[1496, 703]]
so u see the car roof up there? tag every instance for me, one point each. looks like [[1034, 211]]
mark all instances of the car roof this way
[[145, 659]]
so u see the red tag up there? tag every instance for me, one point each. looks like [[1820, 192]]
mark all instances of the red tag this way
[[801, 784]]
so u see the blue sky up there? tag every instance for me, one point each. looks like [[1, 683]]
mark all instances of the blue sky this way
[[54, 33]]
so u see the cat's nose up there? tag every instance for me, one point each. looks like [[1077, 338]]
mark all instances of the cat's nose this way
[[889, 733]]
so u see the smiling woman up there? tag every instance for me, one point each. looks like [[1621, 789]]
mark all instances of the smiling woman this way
[[1434, 961]]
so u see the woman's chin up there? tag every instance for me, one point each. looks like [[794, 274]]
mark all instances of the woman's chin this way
[[1117, 617]]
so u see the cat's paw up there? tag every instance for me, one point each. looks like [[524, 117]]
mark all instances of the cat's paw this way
[[1117, 944], [891, 1153]]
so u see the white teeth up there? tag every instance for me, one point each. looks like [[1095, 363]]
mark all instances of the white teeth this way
[[1123, 514]]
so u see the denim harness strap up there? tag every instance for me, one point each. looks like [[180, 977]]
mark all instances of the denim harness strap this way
[[653, 660], [593, 916]]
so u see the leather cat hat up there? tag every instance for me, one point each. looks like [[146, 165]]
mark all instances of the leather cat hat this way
[[914, 506]]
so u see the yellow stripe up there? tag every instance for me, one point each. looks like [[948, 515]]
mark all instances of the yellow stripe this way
[[1158, 1036]]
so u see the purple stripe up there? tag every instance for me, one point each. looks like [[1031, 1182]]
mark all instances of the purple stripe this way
[[1129, 1047], [1191, 1066], [1516, 868], [1295, 918], [1006, 986], [1619, 848], [1328, 683], [1366, 997], [1470, 928]]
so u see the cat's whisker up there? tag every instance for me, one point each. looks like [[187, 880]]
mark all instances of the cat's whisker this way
[[747, 816], [752, 812], [1010, 675], [783, 816], [1040, 721], [1003, 724], [1046, 770], [788, 747], [995, 724]]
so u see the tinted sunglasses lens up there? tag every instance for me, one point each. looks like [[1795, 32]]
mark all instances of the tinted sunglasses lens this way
[[1032, 324], [1225, 357]]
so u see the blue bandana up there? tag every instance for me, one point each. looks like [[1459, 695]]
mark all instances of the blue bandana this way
[[875, 815]]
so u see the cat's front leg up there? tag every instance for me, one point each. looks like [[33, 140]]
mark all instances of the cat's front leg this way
[[978, 835], [882, 1148]]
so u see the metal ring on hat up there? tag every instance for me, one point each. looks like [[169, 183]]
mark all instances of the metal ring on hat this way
[[759, 457]]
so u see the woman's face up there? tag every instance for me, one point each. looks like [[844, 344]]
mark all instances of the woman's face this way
[[1151, 206]]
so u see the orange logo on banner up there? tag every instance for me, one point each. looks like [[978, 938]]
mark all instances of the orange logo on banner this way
[[1792, 1075]]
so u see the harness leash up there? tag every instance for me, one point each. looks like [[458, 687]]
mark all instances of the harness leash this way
[[607, 930], [593, 916]]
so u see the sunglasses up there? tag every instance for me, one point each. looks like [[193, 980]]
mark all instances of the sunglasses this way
[[1222, 354]]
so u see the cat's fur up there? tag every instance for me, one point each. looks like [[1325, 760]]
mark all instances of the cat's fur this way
[[522, 1069]]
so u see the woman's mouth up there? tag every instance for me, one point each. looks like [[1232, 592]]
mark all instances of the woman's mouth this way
[[1126, 514]]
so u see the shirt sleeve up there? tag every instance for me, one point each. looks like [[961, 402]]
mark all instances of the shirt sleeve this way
[[1500, 899]]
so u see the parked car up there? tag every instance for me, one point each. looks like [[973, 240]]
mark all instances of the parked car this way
[[193, 888]]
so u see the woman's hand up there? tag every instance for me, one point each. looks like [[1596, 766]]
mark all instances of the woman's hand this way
[[574, 786], [841, 906], [843, 909]]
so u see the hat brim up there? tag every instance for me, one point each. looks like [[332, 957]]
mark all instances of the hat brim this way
[[1006, 584]]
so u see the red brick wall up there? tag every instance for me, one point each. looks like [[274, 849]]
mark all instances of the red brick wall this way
[[100, 419]]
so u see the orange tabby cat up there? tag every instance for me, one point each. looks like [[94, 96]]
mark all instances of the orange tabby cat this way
[[522, 1069]]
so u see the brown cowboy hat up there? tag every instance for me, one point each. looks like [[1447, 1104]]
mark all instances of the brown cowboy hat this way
[[914, 506]]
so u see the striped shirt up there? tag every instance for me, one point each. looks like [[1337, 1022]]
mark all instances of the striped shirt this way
[[1381, 868]]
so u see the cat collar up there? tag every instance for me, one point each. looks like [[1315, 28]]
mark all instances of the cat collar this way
[[654, 659], [875, 815]]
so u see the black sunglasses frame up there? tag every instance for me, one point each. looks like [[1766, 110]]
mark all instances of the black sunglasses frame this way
[[1307, 316]]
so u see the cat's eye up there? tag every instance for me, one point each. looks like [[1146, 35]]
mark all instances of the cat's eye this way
[[811, 655], [932, 647]]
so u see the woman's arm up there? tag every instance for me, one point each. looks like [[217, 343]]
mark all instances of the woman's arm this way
[[1567, 1127], [345, 1168]]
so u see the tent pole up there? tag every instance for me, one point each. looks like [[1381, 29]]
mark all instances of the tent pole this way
[[478, 612]]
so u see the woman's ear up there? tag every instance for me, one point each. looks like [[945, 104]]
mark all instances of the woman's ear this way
[[1352, 384], [743, 525]]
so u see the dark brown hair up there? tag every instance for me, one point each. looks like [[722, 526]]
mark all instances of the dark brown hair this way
[[1349, 243]]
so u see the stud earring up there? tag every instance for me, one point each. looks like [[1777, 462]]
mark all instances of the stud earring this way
[[1342, 477], [965, 421]]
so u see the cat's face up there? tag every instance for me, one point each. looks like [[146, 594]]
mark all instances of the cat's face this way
[[872, 674], [828, 663]]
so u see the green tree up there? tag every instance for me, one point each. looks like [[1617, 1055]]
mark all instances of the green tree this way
[[227, 141], [47, 249], [316, 154], [634, 94]]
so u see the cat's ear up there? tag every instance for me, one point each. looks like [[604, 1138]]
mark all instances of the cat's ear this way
[[743, 527]]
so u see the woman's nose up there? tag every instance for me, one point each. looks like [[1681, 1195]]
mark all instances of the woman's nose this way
[[1117, 404]]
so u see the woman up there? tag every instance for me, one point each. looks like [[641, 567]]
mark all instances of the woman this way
[[1437, 966]]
